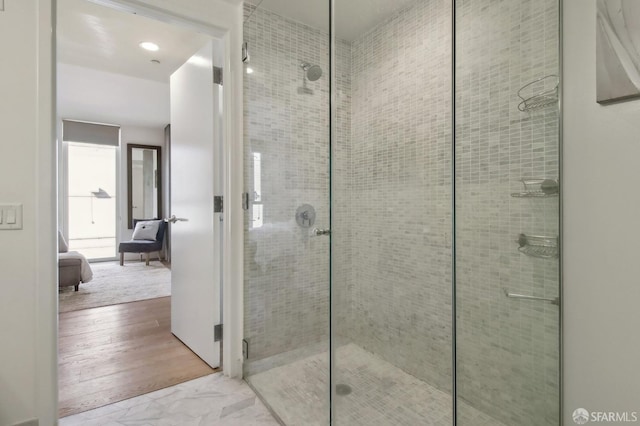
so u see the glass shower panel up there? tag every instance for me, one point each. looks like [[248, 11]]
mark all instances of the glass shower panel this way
[[383, 274], [286, 156], [507, 211], [391, 214]]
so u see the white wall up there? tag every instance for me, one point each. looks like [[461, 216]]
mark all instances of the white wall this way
[[17, 183], [87, 94], [27, 257], [601, 231]]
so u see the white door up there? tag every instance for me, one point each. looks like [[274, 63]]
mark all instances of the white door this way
[[195, 241]]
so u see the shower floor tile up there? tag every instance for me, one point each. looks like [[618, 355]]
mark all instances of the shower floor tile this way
[[381, 394]]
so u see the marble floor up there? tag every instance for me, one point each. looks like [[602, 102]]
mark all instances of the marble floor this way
[[213, 400], [380, 394]]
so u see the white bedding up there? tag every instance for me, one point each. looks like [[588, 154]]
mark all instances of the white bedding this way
[[86, 274]]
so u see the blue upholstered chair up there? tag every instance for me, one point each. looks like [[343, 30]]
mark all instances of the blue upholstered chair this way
[[143, 246]]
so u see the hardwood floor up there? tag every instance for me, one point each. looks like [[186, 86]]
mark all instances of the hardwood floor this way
[[116, 352]]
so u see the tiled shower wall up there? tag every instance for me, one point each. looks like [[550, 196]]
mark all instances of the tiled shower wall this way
[[507, 349]]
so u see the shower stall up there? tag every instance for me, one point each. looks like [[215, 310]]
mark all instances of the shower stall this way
[[402, 226]]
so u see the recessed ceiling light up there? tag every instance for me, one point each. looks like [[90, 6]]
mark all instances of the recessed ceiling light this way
[[147, 45], [249, 70]]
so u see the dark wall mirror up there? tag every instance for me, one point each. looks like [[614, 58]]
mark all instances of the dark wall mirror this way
[[144, 181]]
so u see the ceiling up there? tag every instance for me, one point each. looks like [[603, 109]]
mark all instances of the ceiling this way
[[353, 17], [103, 74], [88, 94], [98, 37]]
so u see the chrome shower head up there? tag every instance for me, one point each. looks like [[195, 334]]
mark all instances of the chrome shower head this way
[[312, 72]]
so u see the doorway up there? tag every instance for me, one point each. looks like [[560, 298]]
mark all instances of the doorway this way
[[127, 347]]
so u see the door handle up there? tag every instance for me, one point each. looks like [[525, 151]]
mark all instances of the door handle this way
[[316, 232], [174, 219]]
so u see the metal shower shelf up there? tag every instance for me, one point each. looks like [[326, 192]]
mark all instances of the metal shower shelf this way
[[538, 188], [541, 246], [539, 93]]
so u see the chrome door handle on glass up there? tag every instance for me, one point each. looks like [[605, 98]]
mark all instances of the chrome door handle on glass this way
[[316, 232], [174, 219]]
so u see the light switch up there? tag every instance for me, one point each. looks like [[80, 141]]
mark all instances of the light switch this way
[[10, 216]]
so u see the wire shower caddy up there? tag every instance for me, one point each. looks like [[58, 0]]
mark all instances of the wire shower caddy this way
[[539, 93]]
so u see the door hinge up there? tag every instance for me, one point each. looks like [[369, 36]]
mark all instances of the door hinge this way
[[217, 333], [245, 201], [245, 53], [218, 204], [217, 75], [245, 349]]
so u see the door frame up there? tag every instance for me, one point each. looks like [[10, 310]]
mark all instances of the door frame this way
[[221, 19]]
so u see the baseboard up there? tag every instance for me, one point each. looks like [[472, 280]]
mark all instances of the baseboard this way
[[32, 422]]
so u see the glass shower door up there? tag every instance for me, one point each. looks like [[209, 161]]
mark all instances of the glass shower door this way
[[287, 159], [507, 212], [391, 209]]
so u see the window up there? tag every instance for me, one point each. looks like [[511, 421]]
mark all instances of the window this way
[[91, 197]]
